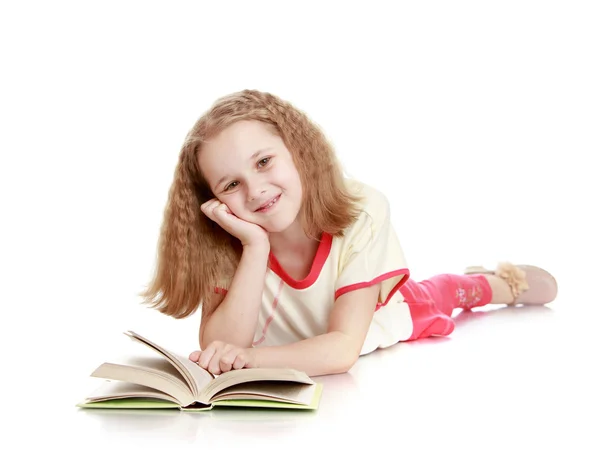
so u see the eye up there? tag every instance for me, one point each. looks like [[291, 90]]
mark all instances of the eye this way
[[264, 161], [233, 184]]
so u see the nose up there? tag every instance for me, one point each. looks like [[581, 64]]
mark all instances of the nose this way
[[255, 190]]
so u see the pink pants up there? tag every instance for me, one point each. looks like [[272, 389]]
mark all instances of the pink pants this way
[[432, 301]]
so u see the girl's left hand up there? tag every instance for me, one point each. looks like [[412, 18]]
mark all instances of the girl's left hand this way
[[219, 357]]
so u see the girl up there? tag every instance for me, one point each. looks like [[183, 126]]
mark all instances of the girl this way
[[292, 264]]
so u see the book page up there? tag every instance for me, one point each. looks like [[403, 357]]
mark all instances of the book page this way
[[197, 377], [120, 390], [156, 373], [236, 377], [289, 392]]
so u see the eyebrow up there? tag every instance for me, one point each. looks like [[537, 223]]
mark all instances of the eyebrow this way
[[254, 155]]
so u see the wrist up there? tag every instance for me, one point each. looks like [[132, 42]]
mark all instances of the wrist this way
[[258, 247]]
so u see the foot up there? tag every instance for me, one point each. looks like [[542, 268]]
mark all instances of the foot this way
[[528, 284]]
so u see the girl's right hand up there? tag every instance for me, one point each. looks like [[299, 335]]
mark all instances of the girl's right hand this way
[[247, 232]]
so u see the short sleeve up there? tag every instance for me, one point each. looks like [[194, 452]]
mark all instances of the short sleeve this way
[[371, 252], [223, 285]]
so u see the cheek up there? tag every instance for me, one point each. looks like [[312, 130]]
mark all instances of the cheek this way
[[237, 205], [289, 176], [295, 181], [233, 202]]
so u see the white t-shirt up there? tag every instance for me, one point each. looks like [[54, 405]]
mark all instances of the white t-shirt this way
[[368, 253]]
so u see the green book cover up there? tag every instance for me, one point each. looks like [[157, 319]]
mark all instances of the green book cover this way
[[152, 404]]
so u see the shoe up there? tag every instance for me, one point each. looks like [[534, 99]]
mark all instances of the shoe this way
[[529, 284]]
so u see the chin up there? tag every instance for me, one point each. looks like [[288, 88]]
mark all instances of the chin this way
[[278, 226]]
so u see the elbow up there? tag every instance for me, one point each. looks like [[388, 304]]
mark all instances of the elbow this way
[[349, 364], [345, 362], [344, 356], [350, 353], [341, 368], [333, 365]]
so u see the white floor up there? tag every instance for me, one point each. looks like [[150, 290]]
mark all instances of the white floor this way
[[507, 380]]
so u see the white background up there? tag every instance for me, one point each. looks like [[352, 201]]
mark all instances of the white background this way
[[479, 120]]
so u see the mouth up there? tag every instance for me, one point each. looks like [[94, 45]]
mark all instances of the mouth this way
[[267, 206]]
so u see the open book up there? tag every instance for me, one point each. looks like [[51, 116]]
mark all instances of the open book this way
[[173, 381]]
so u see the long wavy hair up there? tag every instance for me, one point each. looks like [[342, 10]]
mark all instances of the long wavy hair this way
[[195, 256]]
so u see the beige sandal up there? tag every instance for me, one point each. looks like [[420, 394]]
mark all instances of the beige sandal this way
[[529, 284]]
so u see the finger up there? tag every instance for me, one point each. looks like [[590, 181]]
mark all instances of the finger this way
[[206, 356], [195, 355], [208, 203], [224, 365], [214, 365], [209, 207], [220, 213], [240, 362], [228, 359], [222, 210]]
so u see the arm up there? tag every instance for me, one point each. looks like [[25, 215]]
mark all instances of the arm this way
[[234, 320], [333, 352]]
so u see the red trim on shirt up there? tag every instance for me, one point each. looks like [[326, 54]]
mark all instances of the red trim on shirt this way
[[317, 265], [383, 277], [270, 318]]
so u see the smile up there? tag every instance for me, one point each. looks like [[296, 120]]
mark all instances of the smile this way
[[267, 206]]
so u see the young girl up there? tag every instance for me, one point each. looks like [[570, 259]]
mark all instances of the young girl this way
[[292, 264]]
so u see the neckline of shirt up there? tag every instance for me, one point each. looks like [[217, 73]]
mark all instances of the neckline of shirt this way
[[315, 269]]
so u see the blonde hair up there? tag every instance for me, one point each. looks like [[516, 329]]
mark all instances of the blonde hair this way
[[195, 255]]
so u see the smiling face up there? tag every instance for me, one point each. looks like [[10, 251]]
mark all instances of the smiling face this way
[[248, 167]]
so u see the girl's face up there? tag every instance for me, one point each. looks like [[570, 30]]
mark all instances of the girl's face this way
[[248, 167]]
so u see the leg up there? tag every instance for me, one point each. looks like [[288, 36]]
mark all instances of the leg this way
[[453, 291], [432, 301], [509, 284], [501, 292]]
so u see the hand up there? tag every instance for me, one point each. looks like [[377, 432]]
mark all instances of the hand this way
[[247, 232], [219, 357]]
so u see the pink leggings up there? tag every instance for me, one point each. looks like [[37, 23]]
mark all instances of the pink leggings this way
[[432, 301]]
